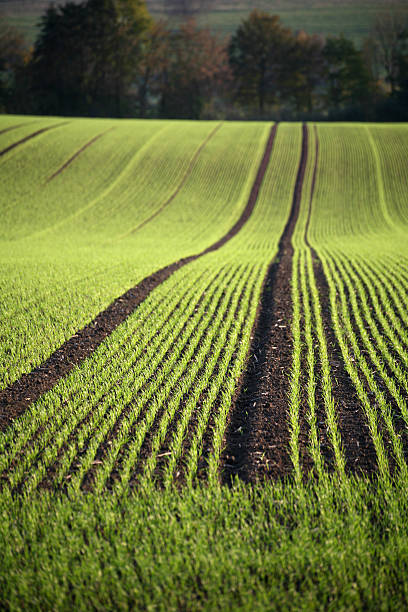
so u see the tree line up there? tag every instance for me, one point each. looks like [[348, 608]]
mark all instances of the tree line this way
[[109, 58]]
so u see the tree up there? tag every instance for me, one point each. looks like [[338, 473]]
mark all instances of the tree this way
[[154, 61], [58, 67], [306, 72], [13, 58], [195, 68], [388, 45], [348, 80], [402, 94], [85, 58], [258, 55]]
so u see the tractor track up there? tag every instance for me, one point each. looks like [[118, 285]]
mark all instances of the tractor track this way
[[31, 136], [257, 437], [180, 185], [16, 398], [77, 154]]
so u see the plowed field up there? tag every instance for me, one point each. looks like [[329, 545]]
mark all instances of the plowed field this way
[[204, 326]]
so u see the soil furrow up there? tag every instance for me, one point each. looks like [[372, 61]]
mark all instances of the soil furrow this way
[[30, 136], [257, 437], [16, 398], [13, 127], [356, 439], [355, 436], [77, 154], [181, 184], [358, 419]]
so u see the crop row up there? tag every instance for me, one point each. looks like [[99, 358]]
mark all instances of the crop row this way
[[153, 401], [55, 282], [139, 384], [364, 263]]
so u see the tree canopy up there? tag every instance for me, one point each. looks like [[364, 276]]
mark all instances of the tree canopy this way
[[258, 53], [108, 58], [86, 56]]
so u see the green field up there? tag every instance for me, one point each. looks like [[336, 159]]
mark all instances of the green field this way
[[114, 486], [353, 19]]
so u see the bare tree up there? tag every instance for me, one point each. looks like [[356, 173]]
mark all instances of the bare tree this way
[[387, 43]]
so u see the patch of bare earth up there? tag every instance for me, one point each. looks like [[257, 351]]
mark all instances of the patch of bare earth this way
[[16, 398], [257, 437]]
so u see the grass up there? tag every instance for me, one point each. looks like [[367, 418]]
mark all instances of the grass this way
[[208, 549], [370, 332], [353, 21]]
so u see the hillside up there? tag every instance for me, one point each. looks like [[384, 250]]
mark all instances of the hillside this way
[[324, 17], [203, 365]]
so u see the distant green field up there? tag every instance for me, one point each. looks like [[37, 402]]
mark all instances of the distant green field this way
[[112, 483], [354, 19]]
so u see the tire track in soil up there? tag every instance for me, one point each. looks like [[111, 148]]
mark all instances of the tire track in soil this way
[[14, 127], [357, 443], [30, 136], [382, 426], [356, 440], [16, 398], [181, 184], [77, 154], [257, 439], [257, 436]]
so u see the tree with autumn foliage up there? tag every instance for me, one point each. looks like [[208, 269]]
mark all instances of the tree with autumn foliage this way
[[195, 69]]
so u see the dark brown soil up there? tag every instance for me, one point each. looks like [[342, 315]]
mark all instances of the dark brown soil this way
[[30, 136], [257, 437], [397, 421], [77, 153], [356, 439], [16, 398], [13, 127]]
